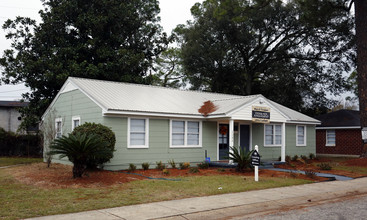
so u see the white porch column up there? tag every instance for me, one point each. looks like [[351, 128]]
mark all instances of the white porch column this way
[[231, 137], [283, 144]]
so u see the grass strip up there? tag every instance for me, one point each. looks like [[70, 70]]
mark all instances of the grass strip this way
[[24, 201]]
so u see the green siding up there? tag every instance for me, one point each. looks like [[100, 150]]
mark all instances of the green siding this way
[[69, 104], [159, 149], [272, 153], [291, 148]]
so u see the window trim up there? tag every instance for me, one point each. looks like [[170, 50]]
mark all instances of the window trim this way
[[281, 136], [56, 121], [146, 145], [326, 140], [185, 134], [304, 136], [74, 118]]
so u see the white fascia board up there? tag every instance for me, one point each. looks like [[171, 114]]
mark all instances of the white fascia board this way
[[303, 123], [69, 80], [152, 114], [157, 114], [239, 108], [336, 128]]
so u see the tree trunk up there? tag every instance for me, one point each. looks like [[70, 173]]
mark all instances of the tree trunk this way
[[361, 33], [78, 170]]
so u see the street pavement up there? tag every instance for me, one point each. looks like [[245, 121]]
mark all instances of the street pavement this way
[[242, 205]]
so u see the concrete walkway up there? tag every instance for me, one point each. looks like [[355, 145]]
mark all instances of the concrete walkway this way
[[234, 205]]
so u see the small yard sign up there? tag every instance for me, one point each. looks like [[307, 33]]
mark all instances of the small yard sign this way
[[260, 114], [255, 161], [255, 158]]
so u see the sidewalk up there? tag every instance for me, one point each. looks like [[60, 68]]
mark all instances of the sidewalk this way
[[232, 205]]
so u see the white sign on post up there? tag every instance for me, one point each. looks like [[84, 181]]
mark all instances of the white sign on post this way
[[255, 161]]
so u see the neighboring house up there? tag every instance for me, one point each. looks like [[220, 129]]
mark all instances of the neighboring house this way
[[339, 133], [10, 118], [158, 124]]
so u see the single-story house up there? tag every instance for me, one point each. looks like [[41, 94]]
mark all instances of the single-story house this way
[[10, 117], [159, 124], [339, 134]]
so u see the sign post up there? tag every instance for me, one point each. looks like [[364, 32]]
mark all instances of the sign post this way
[[255, 161]]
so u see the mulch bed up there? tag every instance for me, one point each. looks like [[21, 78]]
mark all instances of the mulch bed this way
[[60, 176], [301, 165]]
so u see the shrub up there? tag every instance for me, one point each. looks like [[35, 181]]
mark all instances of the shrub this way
[[172, 163], [80, 149], [311, 156], [194, 170], [303, 157], [184, 165], [288, 159], [145, 166], [102, 132], [165, 172], [295, 157], [221, 170], [324, 166], [310, 174], [132, 167], [241, 157], [203, 165], [160, 165]]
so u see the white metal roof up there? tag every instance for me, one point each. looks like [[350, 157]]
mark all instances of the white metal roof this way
[[115, 97]]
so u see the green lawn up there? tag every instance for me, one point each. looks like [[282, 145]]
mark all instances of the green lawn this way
[[23, 201], [8, 161]]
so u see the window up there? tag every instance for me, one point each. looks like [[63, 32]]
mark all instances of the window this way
[[75, 122], [58, 127], [185, 133], [330, 137], [138, 134], [273, 135], [301, 135]]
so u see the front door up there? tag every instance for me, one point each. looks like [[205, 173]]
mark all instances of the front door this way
[[245, 137], [223, 141]]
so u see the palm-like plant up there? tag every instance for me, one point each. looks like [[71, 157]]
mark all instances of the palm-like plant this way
[[241, 157], [79, 148]]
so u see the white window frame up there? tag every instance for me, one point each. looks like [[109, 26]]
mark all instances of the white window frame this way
[[75, 118], [146, 144], [304, 136], [281, 136], [185, 135], [326, 139], [56, 121]]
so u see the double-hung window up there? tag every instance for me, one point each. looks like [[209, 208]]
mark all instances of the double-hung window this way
[[185, 133], [273, 135], [75, 122], [138, 134], [301, 135], [330, 138], [58, 127]]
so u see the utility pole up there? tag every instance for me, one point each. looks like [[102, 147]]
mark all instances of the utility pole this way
[[360, 7]]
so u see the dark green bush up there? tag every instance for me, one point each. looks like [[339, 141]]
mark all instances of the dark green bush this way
[[295, 157], [12, 144], [241, 157], [132, 167], [81, 149], [184, 165], [104, 133], [288, 159], [145, 166], [172, 163], [312, 156], [324, 166], [160, 165], [203, 165]]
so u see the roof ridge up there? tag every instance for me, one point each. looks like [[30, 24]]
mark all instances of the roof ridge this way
[[158, 87], [238, 97]]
